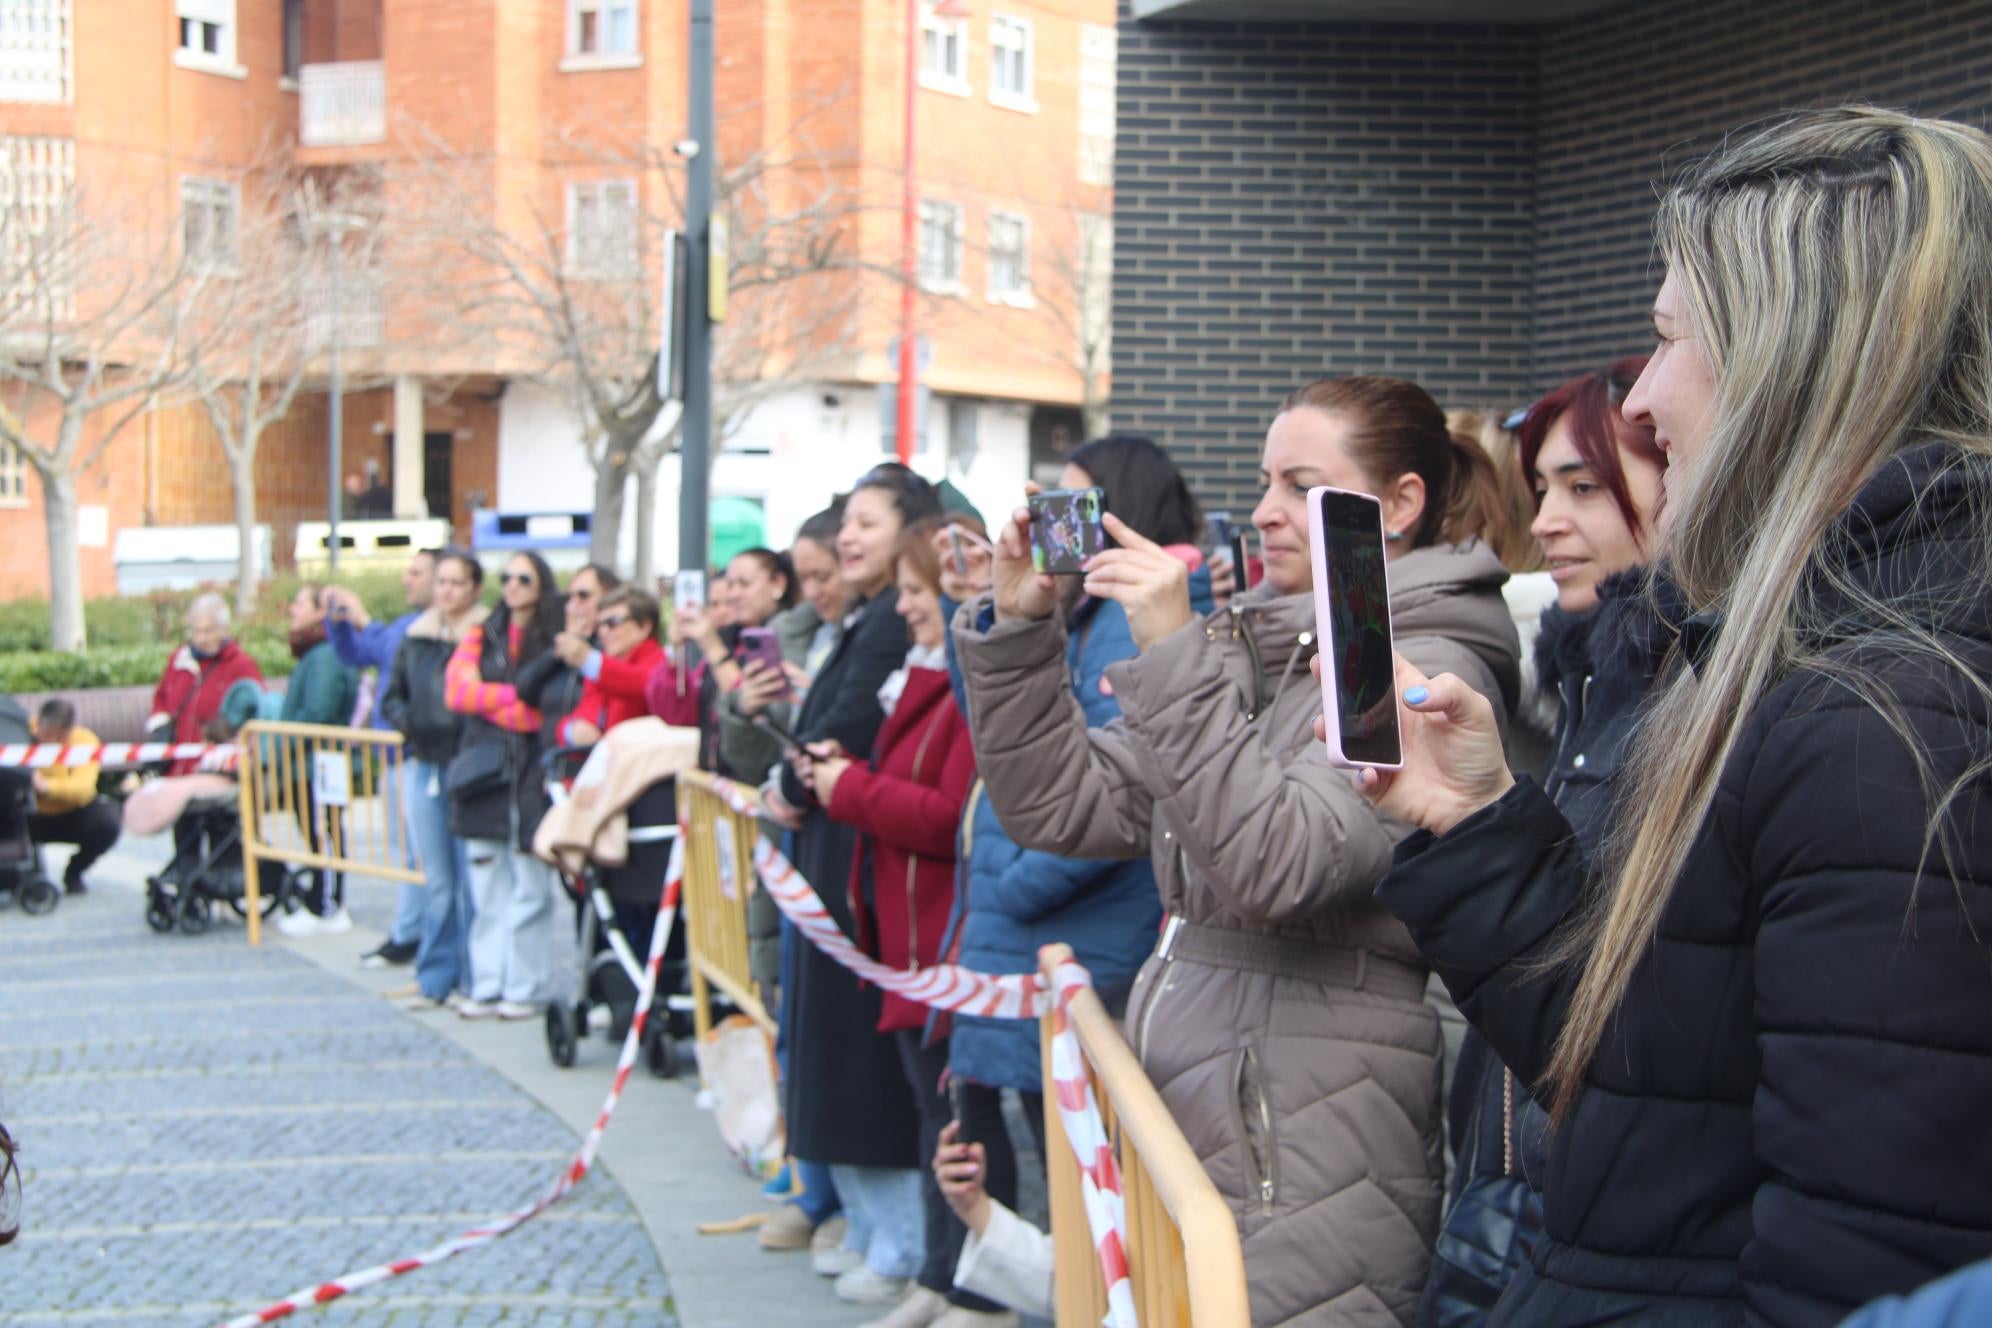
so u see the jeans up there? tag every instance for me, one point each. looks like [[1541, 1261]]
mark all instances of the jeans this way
[[818, 1200], [511, 927], [884, 1203], [442, 954]]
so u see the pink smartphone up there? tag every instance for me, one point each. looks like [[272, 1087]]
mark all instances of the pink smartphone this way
[[760, 644], [1352, 618]]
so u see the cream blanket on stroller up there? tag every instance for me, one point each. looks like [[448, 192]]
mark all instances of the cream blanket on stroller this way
[[591, 824]]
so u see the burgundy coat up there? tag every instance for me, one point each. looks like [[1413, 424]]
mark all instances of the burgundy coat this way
[[907, 807]]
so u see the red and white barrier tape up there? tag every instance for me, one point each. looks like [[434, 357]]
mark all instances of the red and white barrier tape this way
[[42, 755], [570, 1175], [1099, 1170]]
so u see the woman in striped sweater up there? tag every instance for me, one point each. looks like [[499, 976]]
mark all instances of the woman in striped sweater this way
[[497, 796]]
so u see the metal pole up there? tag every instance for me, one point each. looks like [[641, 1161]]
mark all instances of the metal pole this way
[[334, 421], [909, 241], [695, 445]]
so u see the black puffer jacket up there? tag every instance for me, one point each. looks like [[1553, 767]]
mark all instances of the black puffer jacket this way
[[1599, 666], [490, 815], [413, 702], [1786, 1117]]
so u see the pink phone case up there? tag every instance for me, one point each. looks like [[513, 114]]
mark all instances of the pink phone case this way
[[1324, 624]]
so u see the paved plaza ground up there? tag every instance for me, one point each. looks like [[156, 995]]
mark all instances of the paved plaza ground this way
[[208, 1127]]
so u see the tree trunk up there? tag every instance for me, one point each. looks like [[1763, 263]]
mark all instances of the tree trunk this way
[[65, 563], [605, 535], [1096, 421], [242, 473], [645, 574]]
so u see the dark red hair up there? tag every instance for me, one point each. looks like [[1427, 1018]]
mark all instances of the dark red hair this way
[[1598, 428]]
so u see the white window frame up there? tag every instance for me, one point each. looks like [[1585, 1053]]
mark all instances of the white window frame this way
[[30, 31], [1098, 116], [1021, 295], [601, 266], [204, 194], [13, 477], [578, 60], [954, 81], [935, 277], [219, 14], [1026, 45]]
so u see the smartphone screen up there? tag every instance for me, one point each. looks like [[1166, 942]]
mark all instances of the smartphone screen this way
[[1352, 605], [1066, 530]]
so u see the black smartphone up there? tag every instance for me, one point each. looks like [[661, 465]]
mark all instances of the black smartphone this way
[[790, 743], [1241, 564], [958, 1100], [1066, 530], [1219, 526]]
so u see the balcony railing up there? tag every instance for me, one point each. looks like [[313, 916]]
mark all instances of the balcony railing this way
[[362, 300], [342, 105]]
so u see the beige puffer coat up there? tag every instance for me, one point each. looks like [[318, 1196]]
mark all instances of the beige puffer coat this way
[[1282, 1017]]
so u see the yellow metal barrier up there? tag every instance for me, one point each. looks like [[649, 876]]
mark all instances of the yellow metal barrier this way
[[719, 875], [1170, 1202], [318, 796]]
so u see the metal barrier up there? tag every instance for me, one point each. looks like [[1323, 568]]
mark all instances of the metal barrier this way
[[314, 795], [1170, 1202], [719, 875]]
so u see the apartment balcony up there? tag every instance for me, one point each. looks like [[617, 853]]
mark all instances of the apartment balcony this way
[[360, 311], [342, 105]]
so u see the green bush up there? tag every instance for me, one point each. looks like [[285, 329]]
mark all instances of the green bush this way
[[118, 666], [159, 619]]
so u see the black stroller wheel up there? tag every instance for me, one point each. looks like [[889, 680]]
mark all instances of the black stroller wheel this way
[[39, 895], [196, 913], [159, 909], [560, 1034], [267, 903], [660, 1049]]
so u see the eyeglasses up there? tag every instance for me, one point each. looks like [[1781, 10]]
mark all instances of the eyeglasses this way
[[519, 578], [612, 620]]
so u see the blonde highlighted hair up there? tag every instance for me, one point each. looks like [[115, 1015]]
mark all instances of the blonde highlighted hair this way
[[1836, 271]]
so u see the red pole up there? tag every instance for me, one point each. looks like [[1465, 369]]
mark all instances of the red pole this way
[[909, 245]]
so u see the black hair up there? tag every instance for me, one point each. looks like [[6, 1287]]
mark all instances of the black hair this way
[[1143, 486], [10, 1179], [776, 565], [57, 713], [456, 553], [605, 576], [914, 497], [823, 527], [549, 616]]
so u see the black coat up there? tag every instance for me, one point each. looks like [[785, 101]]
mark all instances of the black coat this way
[[490, 815], [846, 1098], [1786, 1116], [413, 702], [552, 687]]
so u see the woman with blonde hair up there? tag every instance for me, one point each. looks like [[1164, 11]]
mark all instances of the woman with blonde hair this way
[[1765, 1034]]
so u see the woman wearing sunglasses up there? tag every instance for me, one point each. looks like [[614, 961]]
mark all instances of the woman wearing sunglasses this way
[[550, 684], [616, 671]]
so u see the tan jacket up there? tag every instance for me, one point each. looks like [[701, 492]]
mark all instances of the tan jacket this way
[[1313, 1102]]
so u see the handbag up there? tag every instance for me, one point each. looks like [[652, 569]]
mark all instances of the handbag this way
[[477, 770]]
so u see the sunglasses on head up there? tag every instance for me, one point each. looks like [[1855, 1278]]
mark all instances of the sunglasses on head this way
[[520, 578], [613, 619]]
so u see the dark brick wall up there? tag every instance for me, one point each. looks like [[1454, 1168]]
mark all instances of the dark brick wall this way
[[1626, 99], [1292, 201], [1468, 207]]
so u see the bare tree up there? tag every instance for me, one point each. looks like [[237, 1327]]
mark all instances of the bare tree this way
[[99, 294]]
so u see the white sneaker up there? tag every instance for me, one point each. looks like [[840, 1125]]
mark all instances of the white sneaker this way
[[305, 923], [476, 1009], [834, 1261], [830, 1235], [862, 1286], [516, 1010], [921, 1309]]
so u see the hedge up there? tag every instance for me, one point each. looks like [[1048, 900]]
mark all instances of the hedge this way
[[159, 618], [117, 666]]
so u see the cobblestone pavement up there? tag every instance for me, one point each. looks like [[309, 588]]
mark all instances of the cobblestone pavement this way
[[206, 1128]]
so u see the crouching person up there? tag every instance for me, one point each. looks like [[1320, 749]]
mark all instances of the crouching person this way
[[67, 808]]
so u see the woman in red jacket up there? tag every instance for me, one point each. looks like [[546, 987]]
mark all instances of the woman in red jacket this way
[[617, 673], [197, 677], [907, 806]]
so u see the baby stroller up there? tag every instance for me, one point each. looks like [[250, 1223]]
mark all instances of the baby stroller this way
[[208, 869], [21, 876], [615, 907]]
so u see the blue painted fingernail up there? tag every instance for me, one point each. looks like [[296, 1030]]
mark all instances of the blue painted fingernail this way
[[1416, 695]]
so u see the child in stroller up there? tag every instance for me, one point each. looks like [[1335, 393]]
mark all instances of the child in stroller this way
[[21, 876]]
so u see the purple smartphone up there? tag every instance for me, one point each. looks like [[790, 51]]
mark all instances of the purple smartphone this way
[[759, 644]]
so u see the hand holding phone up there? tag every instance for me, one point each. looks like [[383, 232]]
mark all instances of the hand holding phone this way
[[1352, 618], [758, 645], [958, 1102], [1066, 530]]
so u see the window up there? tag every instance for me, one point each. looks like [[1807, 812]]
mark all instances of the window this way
[[13, 477], [943, 51], [1097, 46], [1009, 258], [940, 247], [1011, 75], [36, 176], [34, 50], [601, 228], [207, 35], [293, 37], [208, 211], [601, 28]]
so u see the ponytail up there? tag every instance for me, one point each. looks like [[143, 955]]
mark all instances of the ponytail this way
[[1475, 502]]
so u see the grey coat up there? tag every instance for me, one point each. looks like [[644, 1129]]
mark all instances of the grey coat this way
[[1281, 1018]]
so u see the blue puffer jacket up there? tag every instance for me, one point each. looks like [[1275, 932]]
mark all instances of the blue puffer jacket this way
[[1109, 912]]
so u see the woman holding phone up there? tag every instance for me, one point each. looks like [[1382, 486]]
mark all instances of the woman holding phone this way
[[1282, 1017], [757, 585], [1760, 1019]]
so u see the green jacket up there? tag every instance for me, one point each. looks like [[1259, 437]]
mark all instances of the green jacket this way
[[322, 690]]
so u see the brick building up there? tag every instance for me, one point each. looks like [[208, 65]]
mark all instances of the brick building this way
[[556, 117], [1464, 199]]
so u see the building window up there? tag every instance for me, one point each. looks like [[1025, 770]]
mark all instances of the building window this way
[[293, 37], [36, 175], [940, 247], [601, 27], [207, 35], [943, 51], [1009, 258], [13, 477], [208, 213], [601, 229], [1097, 47], [1012, 78], [34, 50]]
